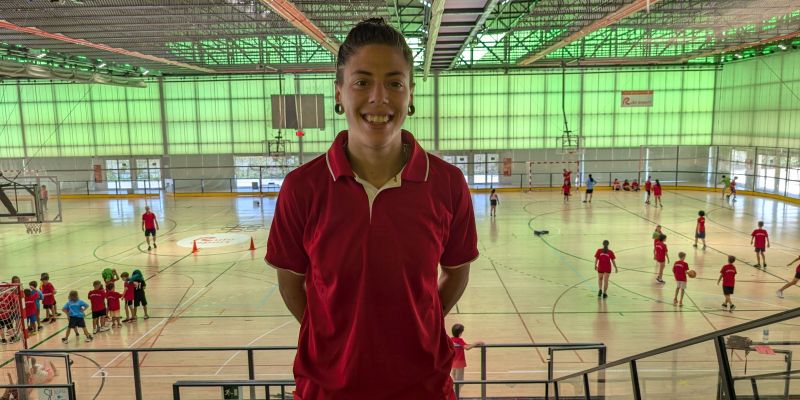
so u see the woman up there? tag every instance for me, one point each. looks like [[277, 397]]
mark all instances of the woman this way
[[603, 260], [358, 236]]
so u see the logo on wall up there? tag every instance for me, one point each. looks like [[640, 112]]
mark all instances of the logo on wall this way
[[637, 98], [213, 240]]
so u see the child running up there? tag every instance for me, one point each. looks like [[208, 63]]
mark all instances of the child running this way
[[794, 280], [728, 277], [127, 296], [726, 182], [761, 239], [657, 194], [494, 200], [661, 255], [680, 269], [460, 359], [75, 308], [733, 189], [603, 260], [700, 229], [97, 297]]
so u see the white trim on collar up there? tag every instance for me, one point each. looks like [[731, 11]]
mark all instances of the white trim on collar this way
[[327, 161], [427, 166]]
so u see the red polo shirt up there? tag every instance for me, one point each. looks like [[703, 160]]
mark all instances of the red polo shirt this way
[[373, 326]]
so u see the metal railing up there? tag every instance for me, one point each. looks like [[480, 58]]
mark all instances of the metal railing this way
[[726, 379], [552, 350]]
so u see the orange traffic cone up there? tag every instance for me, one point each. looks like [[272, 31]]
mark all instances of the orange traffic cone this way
[[252, 244], [194, 246]]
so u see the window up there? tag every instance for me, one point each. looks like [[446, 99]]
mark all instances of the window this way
[[118, 174], [271, 170], [148, 173]]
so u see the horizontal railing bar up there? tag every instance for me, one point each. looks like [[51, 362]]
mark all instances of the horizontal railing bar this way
[[768, 320], [769, 375]]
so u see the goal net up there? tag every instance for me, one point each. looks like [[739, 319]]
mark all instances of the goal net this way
[[12, 317]]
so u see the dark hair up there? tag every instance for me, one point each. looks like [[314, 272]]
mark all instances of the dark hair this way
[[372, 31], [110, 286], [605, 246], [45, 276], [760, 224], [658, 183], [96, 283], [33, 283], [15, 278], [73, 294], [701, 213], [662, 237], [124, 275], [731, 259], [27, 292], [457, 330], [494, 190]]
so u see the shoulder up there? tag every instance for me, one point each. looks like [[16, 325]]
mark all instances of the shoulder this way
[[442, 172], [306, 176]]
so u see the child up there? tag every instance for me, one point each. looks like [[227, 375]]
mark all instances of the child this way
[[728, 277], [657, 193], [39, 296], [112, 297], [733, 189], [460, 359], [626, 186], [589, 189], [567, 177], [616, 186], [494, 200], [700, 229], [109, 276], [139, 297], [75, 309], [794, 280], [127, 296], [635, 185], [7, 318], [680, 269], [661, 255], [761, 239], [97, 297], [647, 186], [30, 309], [565, 188], [49, 300], [726, 182], [657, 233], [603, 260]]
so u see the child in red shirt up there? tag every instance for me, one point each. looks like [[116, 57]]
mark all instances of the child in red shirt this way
[[794, 280], [112, 298], [728, 277], [700, 229], [97, 297], [647, 187], [761, 239], [49, 299], [127, 296], [460, 358], [657, 193], [680, 269], [661, 255], [565, 189], [603, 260], [30, 308]]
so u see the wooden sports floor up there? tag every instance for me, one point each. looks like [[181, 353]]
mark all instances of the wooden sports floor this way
[[523, 289]]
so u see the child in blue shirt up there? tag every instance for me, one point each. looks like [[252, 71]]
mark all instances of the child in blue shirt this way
[[75, 308]]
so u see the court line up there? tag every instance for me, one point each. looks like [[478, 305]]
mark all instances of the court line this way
[[250, 343], [103, 369]]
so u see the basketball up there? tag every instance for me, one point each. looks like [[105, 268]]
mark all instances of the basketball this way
[[691, 274]]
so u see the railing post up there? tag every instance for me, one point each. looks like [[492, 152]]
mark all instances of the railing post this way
[[176, 392], [251, 372], [483, 372], [87, 188], [549, 372], [137, 378], [637, 394], [586, 394], [19, 360], [601, 375], [788, 358], [726, 379], [755, 388], [72, 394]]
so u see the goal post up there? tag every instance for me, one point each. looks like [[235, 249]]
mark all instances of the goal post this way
[[12, 314]]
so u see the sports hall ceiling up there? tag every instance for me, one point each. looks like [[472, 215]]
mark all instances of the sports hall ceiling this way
[[136, 38]]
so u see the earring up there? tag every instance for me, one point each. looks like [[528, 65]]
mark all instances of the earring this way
[[338, 109], [411, 110]]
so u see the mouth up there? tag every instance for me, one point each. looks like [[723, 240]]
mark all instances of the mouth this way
[[377, 120]]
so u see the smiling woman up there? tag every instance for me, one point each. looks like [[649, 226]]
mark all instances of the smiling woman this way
[[359, 235]]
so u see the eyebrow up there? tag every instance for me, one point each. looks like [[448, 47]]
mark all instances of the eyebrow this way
[[393, 73]]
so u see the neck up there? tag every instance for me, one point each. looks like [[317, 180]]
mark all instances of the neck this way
[[376, 165]]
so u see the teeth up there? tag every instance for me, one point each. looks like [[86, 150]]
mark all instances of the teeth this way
[[377, 119]]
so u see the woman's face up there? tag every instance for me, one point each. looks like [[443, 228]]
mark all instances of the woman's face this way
[[375, 91]]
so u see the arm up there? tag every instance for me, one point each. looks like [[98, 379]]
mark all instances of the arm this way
[[719, 279], [293, 291], [142, 224], [767, 240], [474, 345], [614, 262], [156, 221], [452, 283], [596, 263]]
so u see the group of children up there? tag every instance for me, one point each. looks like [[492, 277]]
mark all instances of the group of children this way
[[105, 303], [759, 238]]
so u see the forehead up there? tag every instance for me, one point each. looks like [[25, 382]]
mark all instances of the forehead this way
[[377, 59]]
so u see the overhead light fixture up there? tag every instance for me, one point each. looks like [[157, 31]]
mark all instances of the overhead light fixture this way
[[781, 46], [737, 55], [101, 65], [145, 72], [41, 55]]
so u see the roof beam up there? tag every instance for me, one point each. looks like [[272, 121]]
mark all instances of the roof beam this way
[[437, 10], [609, 19], [299, 20], [487, 10], [743, 46], [81, 42]]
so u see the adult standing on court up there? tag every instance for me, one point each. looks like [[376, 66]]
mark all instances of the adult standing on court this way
[[149, 226], [43, 197], [358, 236]]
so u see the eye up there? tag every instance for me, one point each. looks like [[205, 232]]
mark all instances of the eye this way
[[397, 84], [360, 83]]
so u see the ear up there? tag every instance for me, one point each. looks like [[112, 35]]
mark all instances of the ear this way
[[411, 94], [337, 92]]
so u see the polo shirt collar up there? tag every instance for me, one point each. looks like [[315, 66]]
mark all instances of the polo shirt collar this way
[[415, 170]]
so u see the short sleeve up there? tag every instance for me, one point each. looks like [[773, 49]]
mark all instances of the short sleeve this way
[[462, 242], [285, 248], [611, 255]]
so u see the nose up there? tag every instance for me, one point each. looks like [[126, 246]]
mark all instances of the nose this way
[[379, 94]]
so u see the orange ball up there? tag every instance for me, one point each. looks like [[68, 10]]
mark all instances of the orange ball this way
[[691, 274]]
